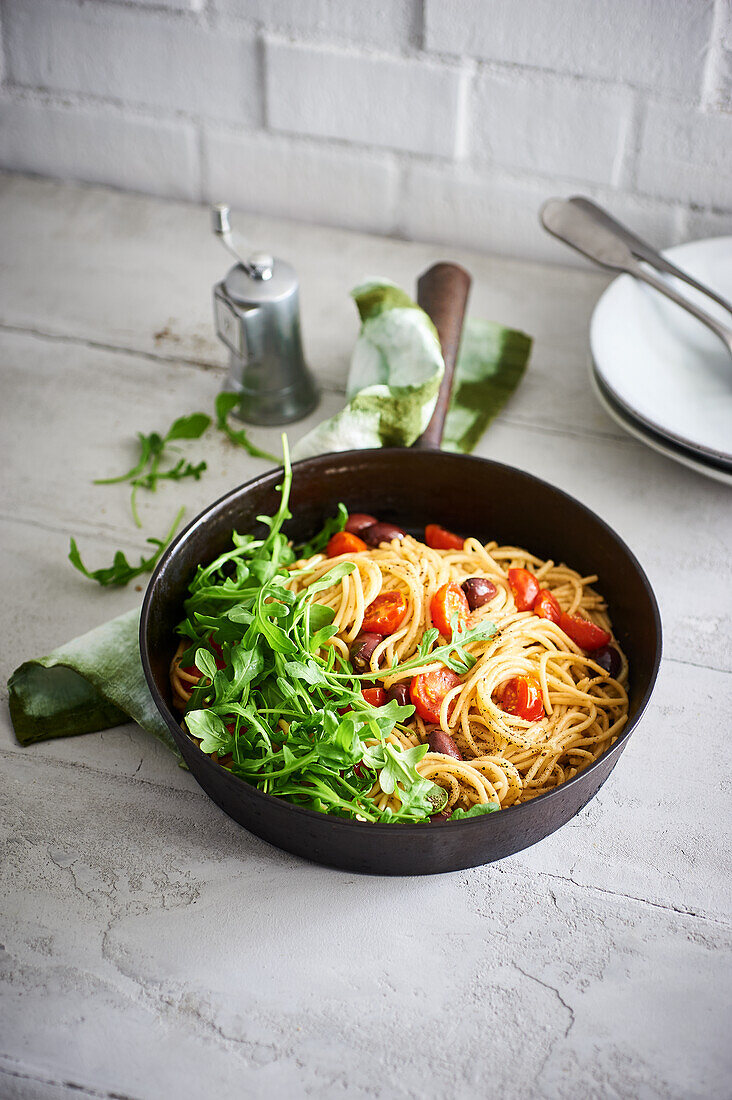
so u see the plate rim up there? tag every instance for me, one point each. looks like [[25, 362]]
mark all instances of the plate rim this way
[[725, 458], [663, 447]]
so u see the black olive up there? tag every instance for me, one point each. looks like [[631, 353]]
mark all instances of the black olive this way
[[358, 520], [478, 591], [400, 692], [381, 532], [608, 658], [439, 741], [361, 650]]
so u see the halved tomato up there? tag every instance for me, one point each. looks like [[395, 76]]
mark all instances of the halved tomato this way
[[344, 542], [525, 588], [439, 538], [449, 602], [521, 695], [385, 613], [374, 695], [428, 689], [546, 606], [583, 633]]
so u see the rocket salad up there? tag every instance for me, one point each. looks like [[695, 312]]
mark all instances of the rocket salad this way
[[277, 705]]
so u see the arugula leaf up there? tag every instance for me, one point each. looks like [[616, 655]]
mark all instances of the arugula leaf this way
[[331, 527], [477, 810], [224, 404], [150, 445], [206, 663], [188, 427], [213, 733], [120, 572], [301, 723], [146, 473]]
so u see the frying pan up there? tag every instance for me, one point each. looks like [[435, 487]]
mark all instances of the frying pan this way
[[410, 487]]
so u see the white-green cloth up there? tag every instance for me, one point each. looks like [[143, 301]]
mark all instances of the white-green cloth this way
[[396, 370], [96, 681]]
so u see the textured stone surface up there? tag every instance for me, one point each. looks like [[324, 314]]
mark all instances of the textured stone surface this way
[[149, 947]]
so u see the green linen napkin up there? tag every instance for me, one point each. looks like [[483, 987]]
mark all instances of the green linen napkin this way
[[396, 372], [96, 681]]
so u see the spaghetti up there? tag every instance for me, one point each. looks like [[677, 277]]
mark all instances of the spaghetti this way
[[506, 758], [540, 702]]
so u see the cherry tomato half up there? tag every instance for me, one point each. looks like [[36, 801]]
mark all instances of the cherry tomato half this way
[[439, 538], [447, 603], [546, 606], [375, 695], [525, 588], [344, 543], [521, 696], [384, 615], [583, 633], [428, 689]]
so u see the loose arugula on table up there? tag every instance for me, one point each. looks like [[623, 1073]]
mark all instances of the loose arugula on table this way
[[225, 402], [120, 572], [262, 654], [146, 474]]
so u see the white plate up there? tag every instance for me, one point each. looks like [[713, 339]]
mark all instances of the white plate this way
[[662, 365], [664, 447]]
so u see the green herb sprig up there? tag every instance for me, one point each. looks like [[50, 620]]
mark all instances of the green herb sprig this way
[[224, 404], [146, 472], [120, 572]]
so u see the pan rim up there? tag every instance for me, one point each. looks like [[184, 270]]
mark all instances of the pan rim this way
[[411, 829]]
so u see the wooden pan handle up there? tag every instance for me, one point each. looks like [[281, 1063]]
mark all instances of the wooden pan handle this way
[[442, 292]]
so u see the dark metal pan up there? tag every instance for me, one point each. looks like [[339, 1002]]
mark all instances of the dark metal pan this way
[[411, 487]]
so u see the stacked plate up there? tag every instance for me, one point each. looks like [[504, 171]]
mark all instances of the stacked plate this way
[[661, 374]]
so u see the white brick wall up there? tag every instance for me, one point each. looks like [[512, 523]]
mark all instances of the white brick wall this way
[[374, 100], [444, 120]]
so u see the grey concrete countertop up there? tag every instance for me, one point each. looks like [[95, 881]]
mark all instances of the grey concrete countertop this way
[[149, 947]]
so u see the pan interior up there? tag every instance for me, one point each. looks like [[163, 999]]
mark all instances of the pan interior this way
[[468, 495]]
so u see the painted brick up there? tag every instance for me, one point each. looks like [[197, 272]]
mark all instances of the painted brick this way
[[463, 210], [411, 105], [388, 24], [706, 223], [686, 154], [138, 57], [172, 5], [501, 214], [648, 42], [720, 93], [100, 147], [553, 125], [271, 175]]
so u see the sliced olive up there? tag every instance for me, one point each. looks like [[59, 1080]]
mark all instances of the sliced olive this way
[[478, 591], [439, 741], [608, 658], [381, 532], [362, 650], [358, 520], [400, 692]]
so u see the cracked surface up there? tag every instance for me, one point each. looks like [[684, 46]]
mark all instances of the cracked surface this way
[[149, 947]]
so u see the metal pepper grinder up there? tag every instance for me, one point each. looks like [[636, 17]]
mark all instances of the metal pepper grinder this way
[[257, 315]]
